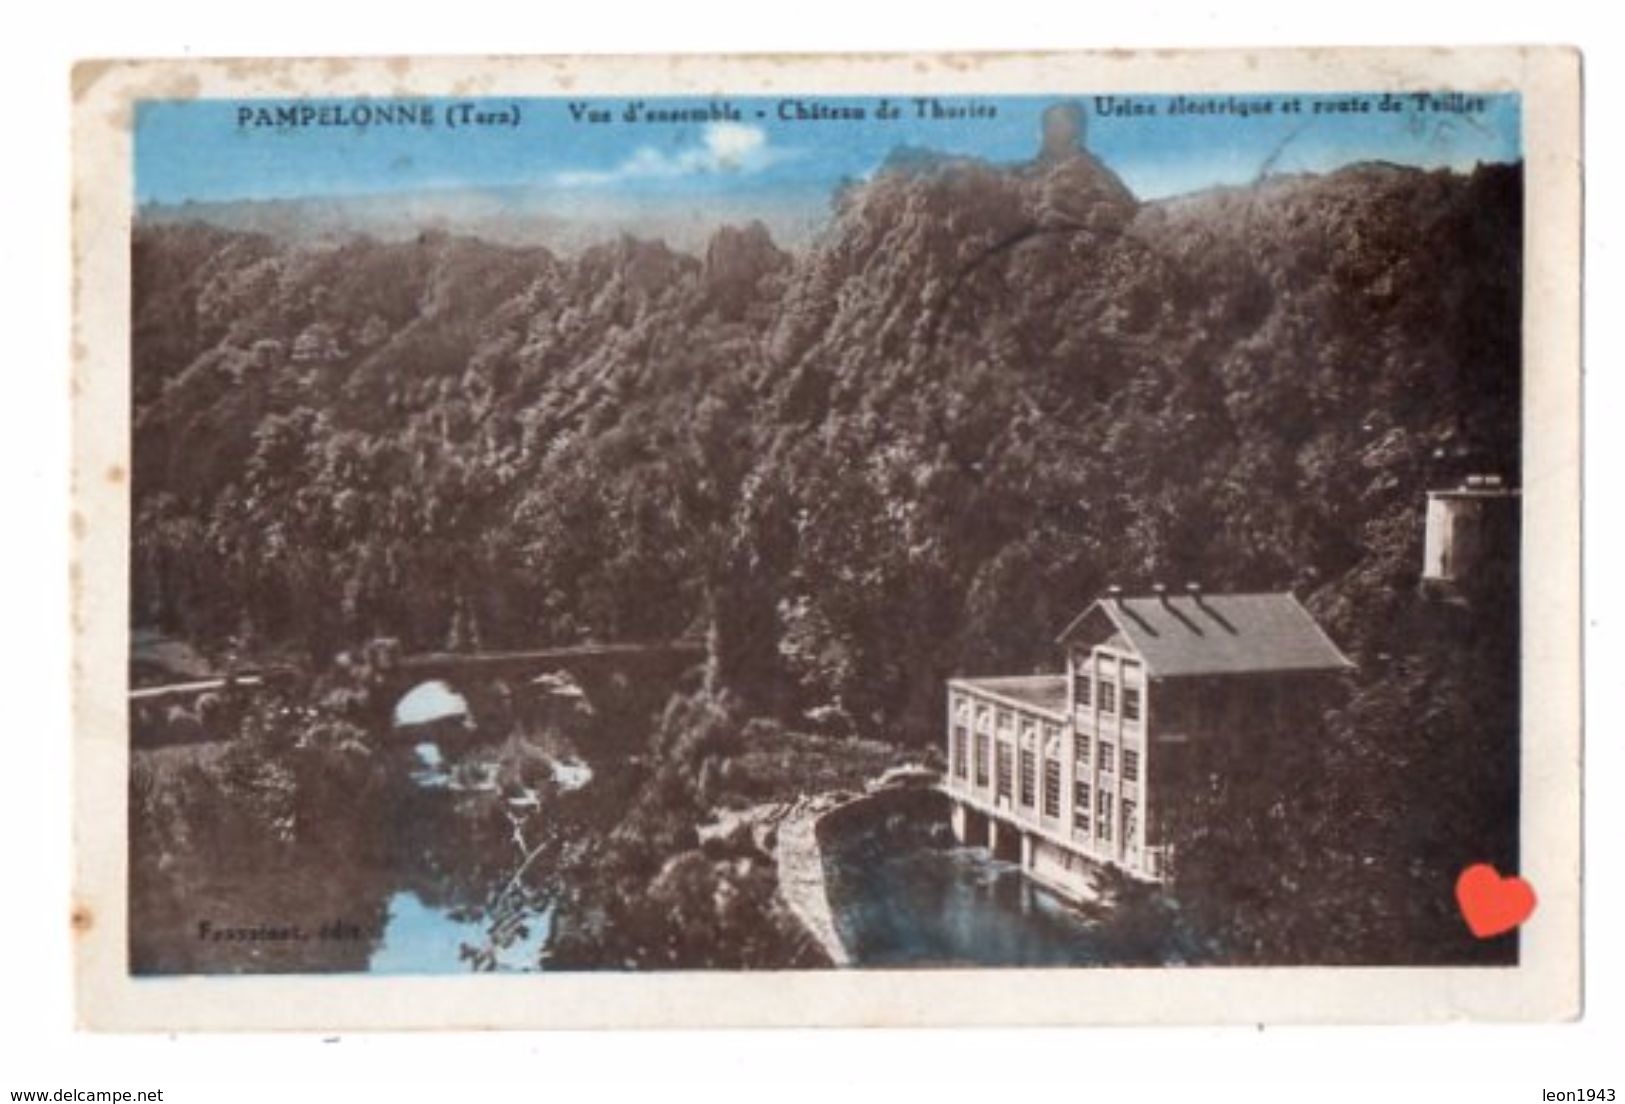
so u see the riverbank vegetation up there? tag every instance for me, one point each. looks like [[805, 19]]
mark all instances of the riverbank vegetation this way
[[246, 829], [915, 450], [658, 895]]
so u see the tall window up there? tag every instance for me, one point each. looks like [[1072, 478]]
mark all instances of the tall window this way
[[1005, 720], [981, 758], [1103, 817], [1131, 765], [1080, 805], [1108, 757], [1108, 697], [959, 751], [1028, 776], [1052, 788], [1080, 746], [1131, 824], [1131, 703], [1002, 775], [1083, 683]]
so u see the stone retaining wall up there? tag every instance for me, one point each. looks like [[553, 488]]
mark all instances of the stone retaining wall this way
[[802, 835], [800, 857]]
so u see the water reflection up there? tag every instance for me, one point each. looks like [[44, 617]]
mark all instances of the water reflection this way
[[903, 894], [451, 870], [420, 939], [953, 907], [571, 773], [431, 772], [478, 774]]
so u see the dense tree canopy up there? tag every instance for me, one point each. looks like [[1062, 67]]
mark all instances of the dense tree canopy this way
[[915, 450]]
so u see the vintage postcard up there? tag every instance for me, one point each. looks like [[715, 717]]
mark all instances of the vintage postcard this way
[[882, 540]]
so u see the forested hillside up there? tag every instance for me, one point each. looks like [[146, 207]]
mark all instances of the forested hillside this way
[[911, 451]]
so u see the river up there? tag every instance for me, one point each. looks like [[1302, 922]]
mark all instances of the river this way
[[954, 907], [468, 877], [456, 874], [904, 895]]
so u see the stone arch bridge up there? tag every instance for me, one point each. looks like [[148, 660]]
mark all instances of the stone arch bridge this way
[[621, 682]]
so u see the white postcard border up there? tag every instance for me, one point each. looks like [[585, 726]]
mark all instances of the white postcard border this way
[[1545, 985]]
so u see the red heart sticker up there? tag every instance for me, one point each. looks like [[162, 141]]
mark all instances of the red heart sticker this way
[[1490, 903]]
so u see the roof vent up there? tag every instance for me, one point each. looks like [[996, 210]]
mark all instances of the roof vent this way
[[1195, 591], [1161, 592], [1114, 593]]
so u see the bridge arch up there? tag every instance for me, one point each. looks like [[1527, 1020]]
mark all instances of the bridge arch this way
[[620, 686], [430, 701]]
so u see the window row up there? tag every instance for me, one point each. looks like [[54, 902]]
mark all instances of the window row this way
[[1085, 798], [1102, 808], [987, 717], [1028, 782], [1086, 689], [1082, 792], [1106, 754], [1005, 771], [1105, 751]]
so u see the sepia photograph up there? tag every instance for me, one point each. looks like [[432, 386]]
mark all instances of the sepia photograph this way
[[832, 528]]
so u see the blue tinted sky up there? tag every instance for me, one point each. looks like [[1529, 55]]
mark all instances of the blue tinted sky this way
[[197, 150]]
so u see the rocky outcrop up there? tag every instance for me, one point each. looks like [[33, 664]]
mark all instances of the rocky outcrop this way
[[736, 260], [1080, 193]]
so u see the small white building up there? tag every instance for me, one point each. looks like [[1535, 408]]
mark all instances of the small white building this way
[[1472, 530], [1065, 772]]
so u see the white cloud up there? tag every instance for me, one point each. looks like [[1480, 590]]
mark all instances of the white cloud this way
[[723, 148], [732, 144]]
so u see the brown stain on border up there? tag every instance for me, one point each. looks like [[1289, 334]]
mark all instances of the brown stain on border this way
[[84, 75]]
